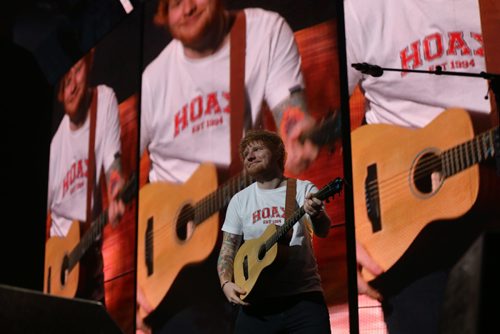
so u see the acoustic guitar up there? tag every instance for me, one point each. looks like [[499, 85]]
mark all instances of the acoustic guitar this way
[[255, 255], [404, 179], [63, 254], [167, 243]]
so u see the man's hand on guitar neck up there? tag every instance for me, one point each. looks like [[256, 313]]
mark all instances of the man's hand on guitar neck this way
[[116, 207], [365, 261], [300, 154]]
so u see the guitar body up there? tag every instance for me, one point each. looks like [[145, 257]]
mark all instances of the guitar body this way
[[252, 257], [248, 257], [56, 249], [161, 210], [389, 160]]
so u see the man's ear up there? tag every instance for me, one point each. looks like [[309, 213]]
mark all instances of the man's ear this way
[[161, 17], [89, 58], [60, 90]]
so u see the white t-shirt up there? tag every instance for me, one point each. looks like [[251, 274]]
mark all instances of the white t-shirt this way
[[251, 211], [417, 35], [185, 102], [68, 165]]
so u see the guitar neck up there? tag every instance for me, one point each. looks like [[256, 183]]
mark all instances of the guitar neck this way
[[474, 151], [220, 198], [128, 192], [87, 240], [332, 188], [282, 230]]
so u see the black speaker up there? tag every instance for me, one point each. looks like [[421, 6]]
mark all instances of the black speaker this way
[[472, 296], [27, 311]]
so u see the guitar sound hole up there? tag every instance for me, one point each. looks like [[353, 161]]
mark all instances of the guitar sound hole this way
[[186, 215], [262, 252], [64, 268], [49, 277], [427, 174], [245, 267]]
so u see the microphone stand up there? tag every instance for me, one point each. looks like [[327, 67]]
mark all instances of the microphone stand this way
[[377, 71], [494, 86]]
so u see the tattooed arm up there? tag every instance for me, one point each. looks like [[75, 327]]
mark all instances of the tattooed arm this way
[[293, 120], [115, 182], [230, 244]]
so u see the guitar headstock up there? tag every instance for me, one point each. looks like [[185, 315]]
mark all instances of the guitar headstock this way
[[330, 190]]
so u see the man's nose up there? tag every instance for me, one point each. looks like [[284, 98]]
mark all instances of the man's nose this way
[[188, 7]]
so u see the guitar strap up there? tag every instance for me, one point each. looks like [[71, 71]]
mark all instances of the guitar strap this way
[[237, 87], [490, 23], [291, 203], [91, 156], [91, 276]]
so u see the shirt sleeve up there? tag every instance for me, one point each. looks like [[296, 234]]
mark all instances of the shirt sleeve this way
[[233, 223], [284, 67], [112, 130], [52, 166], [145, 131], [353, 37]]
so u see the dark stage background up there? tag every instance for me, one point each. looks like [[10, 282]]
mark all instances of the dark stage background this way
[[42, 39], [34, 56]]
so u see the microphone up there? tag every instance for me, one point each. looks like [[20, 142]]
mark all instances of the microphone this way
[[365, 68]]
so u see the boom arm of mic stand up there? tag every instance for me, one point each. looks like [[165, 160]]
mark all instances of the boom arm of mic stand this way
[[377, 71]]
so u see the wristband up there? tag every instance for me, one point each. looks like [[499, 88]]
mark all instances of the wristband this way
[[222, 285]]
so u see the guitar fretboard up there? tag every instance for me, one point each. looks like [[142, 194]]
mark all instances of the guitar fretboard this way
[[332, 188], [90, 236], [282, 230], [474, 151], [217, 200]]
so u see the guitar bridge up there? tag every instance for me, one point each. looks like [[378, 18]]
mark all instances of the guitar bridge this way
[[149, 246], [372, 198]]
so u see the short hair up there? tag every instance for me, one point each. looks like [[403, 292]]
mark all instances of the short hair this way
[[89, 61], [270, 139], [161, 15]]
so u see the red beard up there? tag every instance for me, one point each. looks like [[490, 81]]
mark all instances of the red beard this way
[[201, 30]]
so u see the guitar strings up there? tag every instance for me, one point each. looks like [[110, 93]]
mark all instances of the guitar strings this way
[[448, 163], [393, 185], [203, 209]]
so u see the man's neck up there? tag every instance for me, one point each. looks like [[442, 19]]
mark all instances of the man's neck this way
[[271, 183], [215, 39], [83, 112]]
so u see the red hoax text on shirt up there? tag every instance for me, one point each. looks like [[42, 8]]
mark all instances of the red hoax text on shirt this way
[[202, 112], [75, 176], [434, 47], [269, 215]]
